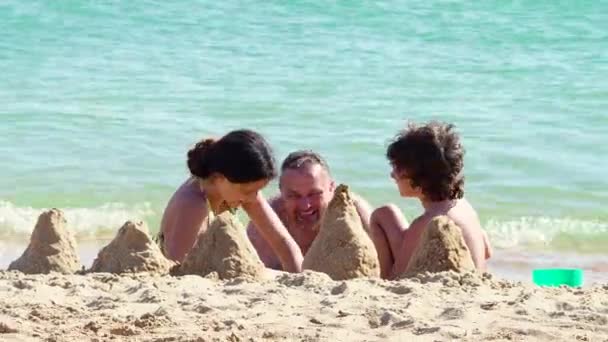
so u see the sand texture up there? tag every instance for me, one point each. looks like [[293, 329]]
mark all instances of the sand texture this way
[[342, 249], [224, 249], [132, 250], [52, 247], [294, 307], [441, 248]]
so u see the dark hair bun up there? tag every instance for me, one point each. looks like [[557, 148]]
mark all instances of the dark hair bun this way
[[197, 156]]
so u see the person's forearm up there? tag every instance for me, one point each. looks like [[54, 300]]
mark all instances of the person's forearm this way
[[290, 255], [265, 252], [283, 245], [274, 232]]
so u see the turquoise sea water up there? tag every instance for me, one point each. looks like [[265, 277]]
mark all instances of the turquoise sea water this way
[[100, 100]]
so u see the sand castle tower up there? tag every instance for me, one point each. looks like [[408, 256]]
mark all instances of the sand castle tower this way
[[441, 248], [52, 247], [224, 248], [132, 250], [342, 249]]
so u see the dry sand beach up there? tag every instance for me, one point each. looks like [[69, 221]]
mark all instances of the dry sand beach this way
[[140, 301], [294, 307]]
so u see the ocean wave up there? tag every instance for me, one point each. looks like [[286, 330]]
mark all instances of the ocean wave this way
[[567, 234], [96, 222], [523, 233]]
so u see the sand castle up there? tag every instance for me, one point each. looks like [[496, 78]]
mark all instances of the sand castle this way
[[441, 248], [225, 249], [342, 249], [132, 250], [52, 247]]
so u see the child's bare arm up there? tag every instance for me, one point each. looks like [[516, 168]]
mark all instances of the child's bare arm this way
[[476, 241], [488, 247]]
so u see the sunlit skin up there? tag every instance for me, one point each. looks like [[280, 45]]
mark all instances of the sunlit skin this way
[[186, 216], [395, 239], [304, 195]]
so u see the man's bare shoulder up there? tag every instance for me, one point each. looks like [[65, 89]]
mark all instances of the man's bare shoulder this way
[[277, 204], [363, 207]]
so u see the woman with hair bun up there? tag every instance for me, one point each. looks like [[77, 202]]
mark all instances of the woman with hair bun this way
[[226, 174]]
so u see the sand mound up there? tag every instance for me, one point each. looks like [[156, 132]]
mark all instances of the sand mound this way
[[52, 247], [132, 250], [342, 249], [441, 248], [225, 249]]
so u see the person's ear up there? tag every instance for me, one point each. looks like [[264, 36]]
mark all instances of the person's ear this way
[[332, 185], [220, 180]]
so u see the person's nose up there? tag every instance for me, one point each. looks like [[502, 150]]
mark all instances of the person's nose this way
[[304, 203]]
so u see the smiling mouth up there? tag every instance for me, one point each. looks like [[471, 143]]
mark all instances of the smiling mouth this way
[[309, 215]]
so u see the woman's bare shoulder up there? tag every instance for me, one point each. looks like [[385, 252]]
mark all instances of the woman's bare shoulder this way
[[188, 197]]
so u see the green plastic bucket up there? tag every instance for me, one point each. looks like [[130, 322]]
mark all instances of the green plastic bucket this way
[[558, 277]]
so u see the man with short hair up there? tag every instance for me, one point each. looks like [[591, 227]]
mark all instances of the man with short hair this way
[[306, 187]]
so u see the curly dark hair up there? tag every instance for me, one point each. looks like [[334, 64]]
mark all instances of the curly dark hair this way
[[432, 157]]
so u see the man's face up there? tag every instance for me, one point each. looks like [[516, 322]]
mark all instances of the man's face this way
[[306, 191]]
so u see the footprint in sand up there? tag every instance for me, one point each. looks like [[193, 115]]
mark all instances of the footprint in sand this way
[[5, 329], [489, 306], [399, 289], [425, 330], [340, 289], [452, 313]]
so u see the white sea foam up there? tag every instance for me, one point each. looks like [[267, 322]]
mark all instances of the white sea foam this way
[[539, 233], [95, 222], [565, 233]]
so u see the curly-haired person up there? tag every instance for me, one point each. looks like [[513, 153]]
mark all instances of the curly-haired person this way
[[427, 164]]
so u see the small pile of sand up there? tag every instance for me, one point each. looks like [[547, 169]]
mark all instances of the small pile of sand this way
[[225, 249], [132, 250], [342, 249], [441, 248], [52, 247]]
